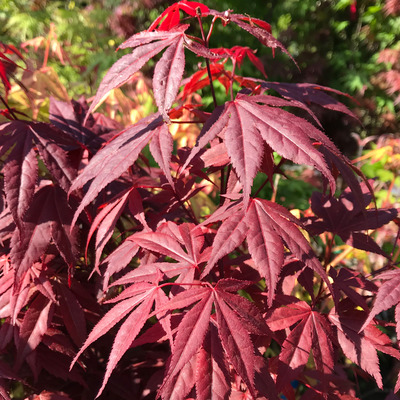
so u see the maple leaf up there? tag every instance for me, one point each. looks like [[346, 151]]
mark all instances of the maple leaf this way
[[170, 17], [237, 55], [127, 144], [168, 75], [345, 279], [6, 64], [236, 317], [256, 27], [312, 332], [137, 301], [387, 296], [361, 347], [105, 222], [310, 93], [147, 45], [212, 373], [72, 314], [23, 140], [267, 227], [201, 79], [168, 241], [245, 125], [34, 325], [48, 218], [346, 217], [70, 117]]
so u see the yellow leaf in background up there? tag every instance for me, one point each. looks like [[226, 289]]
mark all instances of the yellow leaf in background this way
[[202, 205], [32, 96]]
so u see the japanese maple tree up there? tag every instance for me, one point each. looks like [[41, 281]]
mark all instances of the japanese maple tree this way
[[238, 300]]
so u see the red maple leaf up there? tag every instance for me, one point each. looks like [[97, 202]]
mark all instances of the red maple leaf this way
[[171, 16]]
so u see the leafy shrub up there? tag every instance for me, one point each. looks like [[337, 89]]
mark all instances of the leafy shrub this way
[[195, 286]]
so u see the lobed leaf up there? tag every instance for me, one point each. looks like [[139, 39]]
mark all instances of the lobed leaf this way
[[114, 159]]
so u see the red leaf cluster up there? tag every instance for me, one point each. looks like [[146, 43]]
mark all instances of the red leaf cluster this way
[[228, 300]]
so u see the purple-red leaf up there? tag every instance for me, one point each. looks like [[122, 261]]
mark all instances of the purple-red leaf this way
[[34, 325], [190, 336], [126, 334], [114, 159], [127, 65], [48, 218], [116, 314], [295, 352], [105, 222], [236, 342], [212, 373], [229, 236], [361, 348], [388, 295], [245, 125], [168, 75], [310, 93], [265, 246], [73, 315], [161, 147]]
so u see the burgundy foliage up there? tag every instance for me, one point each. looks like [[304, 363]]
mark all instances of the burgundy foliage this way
[[112, 284]]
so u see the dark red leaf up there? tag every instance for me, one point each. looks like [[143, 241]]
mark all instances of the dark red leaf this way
[[117, 313], [212, 373], [105, 223], [34, 325], [48, 218], [244, 125], [236, 342], [190, 336], [115, 158], [168, 75], [127, 65], [295, 352], [73, 315], [310, 93], [388, 295], [126, 334]]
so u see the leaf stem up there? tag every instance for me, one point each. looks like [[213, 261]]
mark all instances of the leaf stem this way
[[8, 107], [205, 40]]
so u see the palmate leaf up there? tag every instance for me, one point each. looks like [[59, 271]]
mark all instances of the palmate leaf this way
[[115, 158], [128, 65], [387, 297], [236, 342], [137, 301], [34, 325], [361, 347], [313, 332], [171, 17], [267, 226], [346, 216], [190, 336], [235, 319], [247, 122], [20, 174], [48, 218], [23, 139], [70, 117], [168, 75], [212, 370], [105, 223], [310, 93]]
